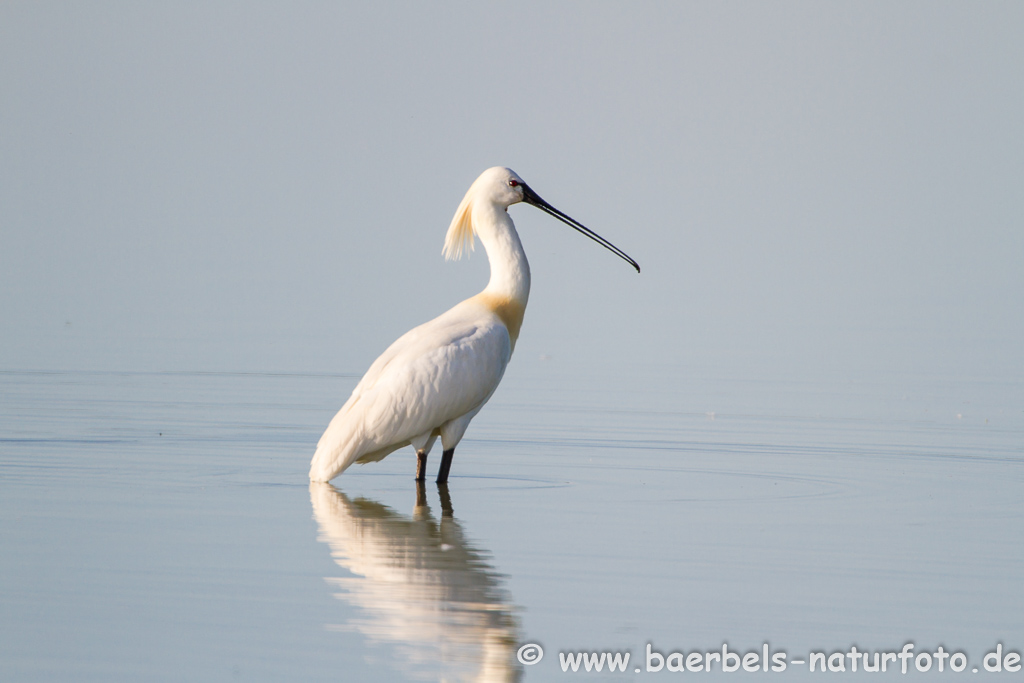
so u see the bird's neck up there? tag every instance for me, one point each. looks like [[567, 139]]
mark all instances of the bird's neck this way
[[509, 287], [510, 271]]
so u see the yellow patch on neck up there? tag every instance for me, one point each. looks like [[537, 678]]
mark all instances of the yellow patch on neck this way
[[509, 310]]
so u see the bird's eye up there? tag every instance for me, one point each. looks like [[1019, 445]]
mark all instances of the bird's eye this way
[[513, 183]]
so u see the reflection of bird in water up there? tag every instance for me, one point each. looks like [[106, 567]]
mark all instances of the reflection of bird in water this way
[[422, 585], [436, 377]]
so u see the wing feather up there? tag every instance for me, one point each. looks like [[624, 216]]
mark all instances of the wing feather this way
[[434, 373]]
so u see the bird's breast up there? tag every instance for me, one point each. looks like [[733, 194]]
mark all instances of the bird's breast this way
[[509, 310]]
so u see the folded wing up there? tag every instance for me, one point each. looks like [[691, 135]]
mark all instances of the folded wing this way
[[433, 374]]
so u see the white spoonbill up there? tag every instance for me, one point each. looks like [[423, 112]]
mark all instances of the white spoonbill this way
[[436, 377]]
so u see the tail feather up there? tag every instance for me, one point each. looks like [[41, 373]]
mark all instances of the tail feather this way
[[337, 449]]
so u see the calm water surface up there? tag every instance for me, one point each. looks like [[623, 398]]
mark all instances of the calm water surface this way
[[160, 526]]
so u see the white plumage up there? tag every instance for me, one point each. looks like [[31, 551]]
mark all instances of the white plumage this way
[[435, 378]]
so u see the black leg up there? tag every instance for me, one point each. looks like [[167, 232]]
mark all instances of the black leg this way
[[446, 466], [421, 466]]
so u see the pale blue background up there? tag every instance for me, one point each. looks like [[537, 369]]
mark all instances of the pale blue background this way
[[802, 423], [808, 186]]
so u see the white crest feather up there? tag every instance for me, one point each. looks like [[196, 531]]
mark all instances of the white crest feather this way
[[459, 239]]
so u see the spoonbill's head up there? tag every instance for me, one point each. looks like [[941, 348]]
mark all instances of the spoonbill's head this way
[[502, 187]]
